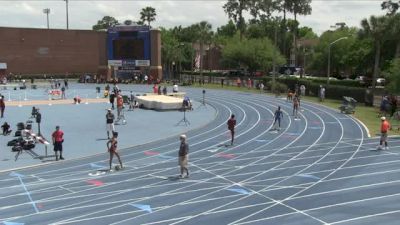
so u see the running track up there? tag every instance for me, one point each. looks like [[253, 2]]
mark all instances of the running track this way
[[316, 170]]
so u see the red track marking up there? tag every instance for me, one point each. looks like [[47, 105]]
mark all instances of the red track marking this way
[[97, 183], [226, 155], [151, 153]]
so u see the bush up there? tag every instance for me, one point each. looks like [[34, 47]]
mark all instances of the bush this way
[[279, 87]]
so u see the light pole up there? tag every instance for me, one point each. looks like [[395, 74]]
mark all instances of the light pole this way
[[66, 9], [47, 12], [274, 58], [329, 56]]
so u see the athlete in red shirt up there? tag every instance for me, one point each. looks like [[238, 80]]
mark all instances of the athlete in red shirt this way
[[231, 126], [385, 126], [57, 142]]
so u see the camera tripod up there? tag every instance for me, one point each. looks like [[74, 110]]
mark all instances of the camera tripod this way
[[183, 120]]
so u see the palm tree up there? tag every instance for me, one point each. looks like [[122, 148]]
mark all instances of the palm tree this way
[[204, 35], [148, 14], [235, 9], [394, 24], [376, 28]]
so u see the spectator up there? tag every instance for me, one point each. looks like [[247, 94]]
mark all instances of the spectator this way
[[303, 90], [321, 93], [63, 92], [164, 90], [2, 105], [175, 88], [6, 129]]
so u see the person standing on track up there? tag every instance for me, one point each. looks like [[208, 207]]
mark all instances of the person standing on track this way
[[278, 115], [385, 126], [120, 104], [112, 99], [110, 123], [112, 149], [58, 141], [296, 105], [231, 126], [183, 156], [2, 106]]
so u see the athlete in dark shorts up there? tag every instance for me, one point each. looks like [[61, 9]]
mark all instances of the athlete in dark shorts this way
[[231, 126], [278, 115], [112, 149], [296, 105], [57, 142]]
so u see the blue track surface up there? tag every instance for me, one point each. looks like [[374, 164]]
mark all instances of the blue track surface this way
[[316, 170]]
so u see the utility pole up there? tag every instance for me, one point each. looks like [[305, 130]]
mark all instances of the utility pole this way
[[66, 8]]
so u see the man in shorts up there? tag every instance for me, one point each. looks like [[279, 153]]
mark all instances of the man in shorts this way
[[385, 126], [120, 104], [110, 123], [57, 142], [183, 156], [231, 126]]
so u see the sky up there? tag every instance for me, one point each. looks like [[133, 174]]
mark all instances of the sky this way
[[84, 14]]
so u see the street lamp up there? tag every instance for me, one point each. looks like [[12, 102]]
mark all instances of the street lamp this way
[[277, 20], [329, 56], [66, 8], [47, 12]]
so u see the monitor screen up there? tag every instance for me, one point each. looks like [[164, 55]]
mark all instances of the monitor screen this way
[[128, 49]]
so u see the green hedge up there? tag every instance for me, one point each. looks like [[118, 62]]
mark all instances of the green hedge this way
[[205, 73], [332, 91]]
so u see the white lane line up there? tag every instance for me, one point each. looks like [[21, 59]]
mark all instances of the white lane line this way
[[268, 156], [66, 189], [210, 156], [300, 171], [236, 146], [252, 191], [366, 217]]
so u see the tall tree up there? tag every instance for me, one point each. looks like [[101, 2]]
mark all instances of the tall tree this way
[[228, 30], [148, 15], [394, 24], [235, 9], [204, 36], [262, 9], [298, 7], [376, 28], [393, 75], [390, 6], [105, 23]]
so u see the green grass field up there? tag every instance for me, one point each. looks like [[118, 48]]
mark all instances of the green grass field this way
[[368, 115]]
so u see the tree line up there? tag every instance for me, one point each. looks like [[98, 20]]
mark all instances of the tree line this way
[[271, 36]]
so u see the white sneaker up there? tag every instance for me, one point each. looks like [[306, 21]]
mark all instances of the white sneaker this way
[[386, 148]]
